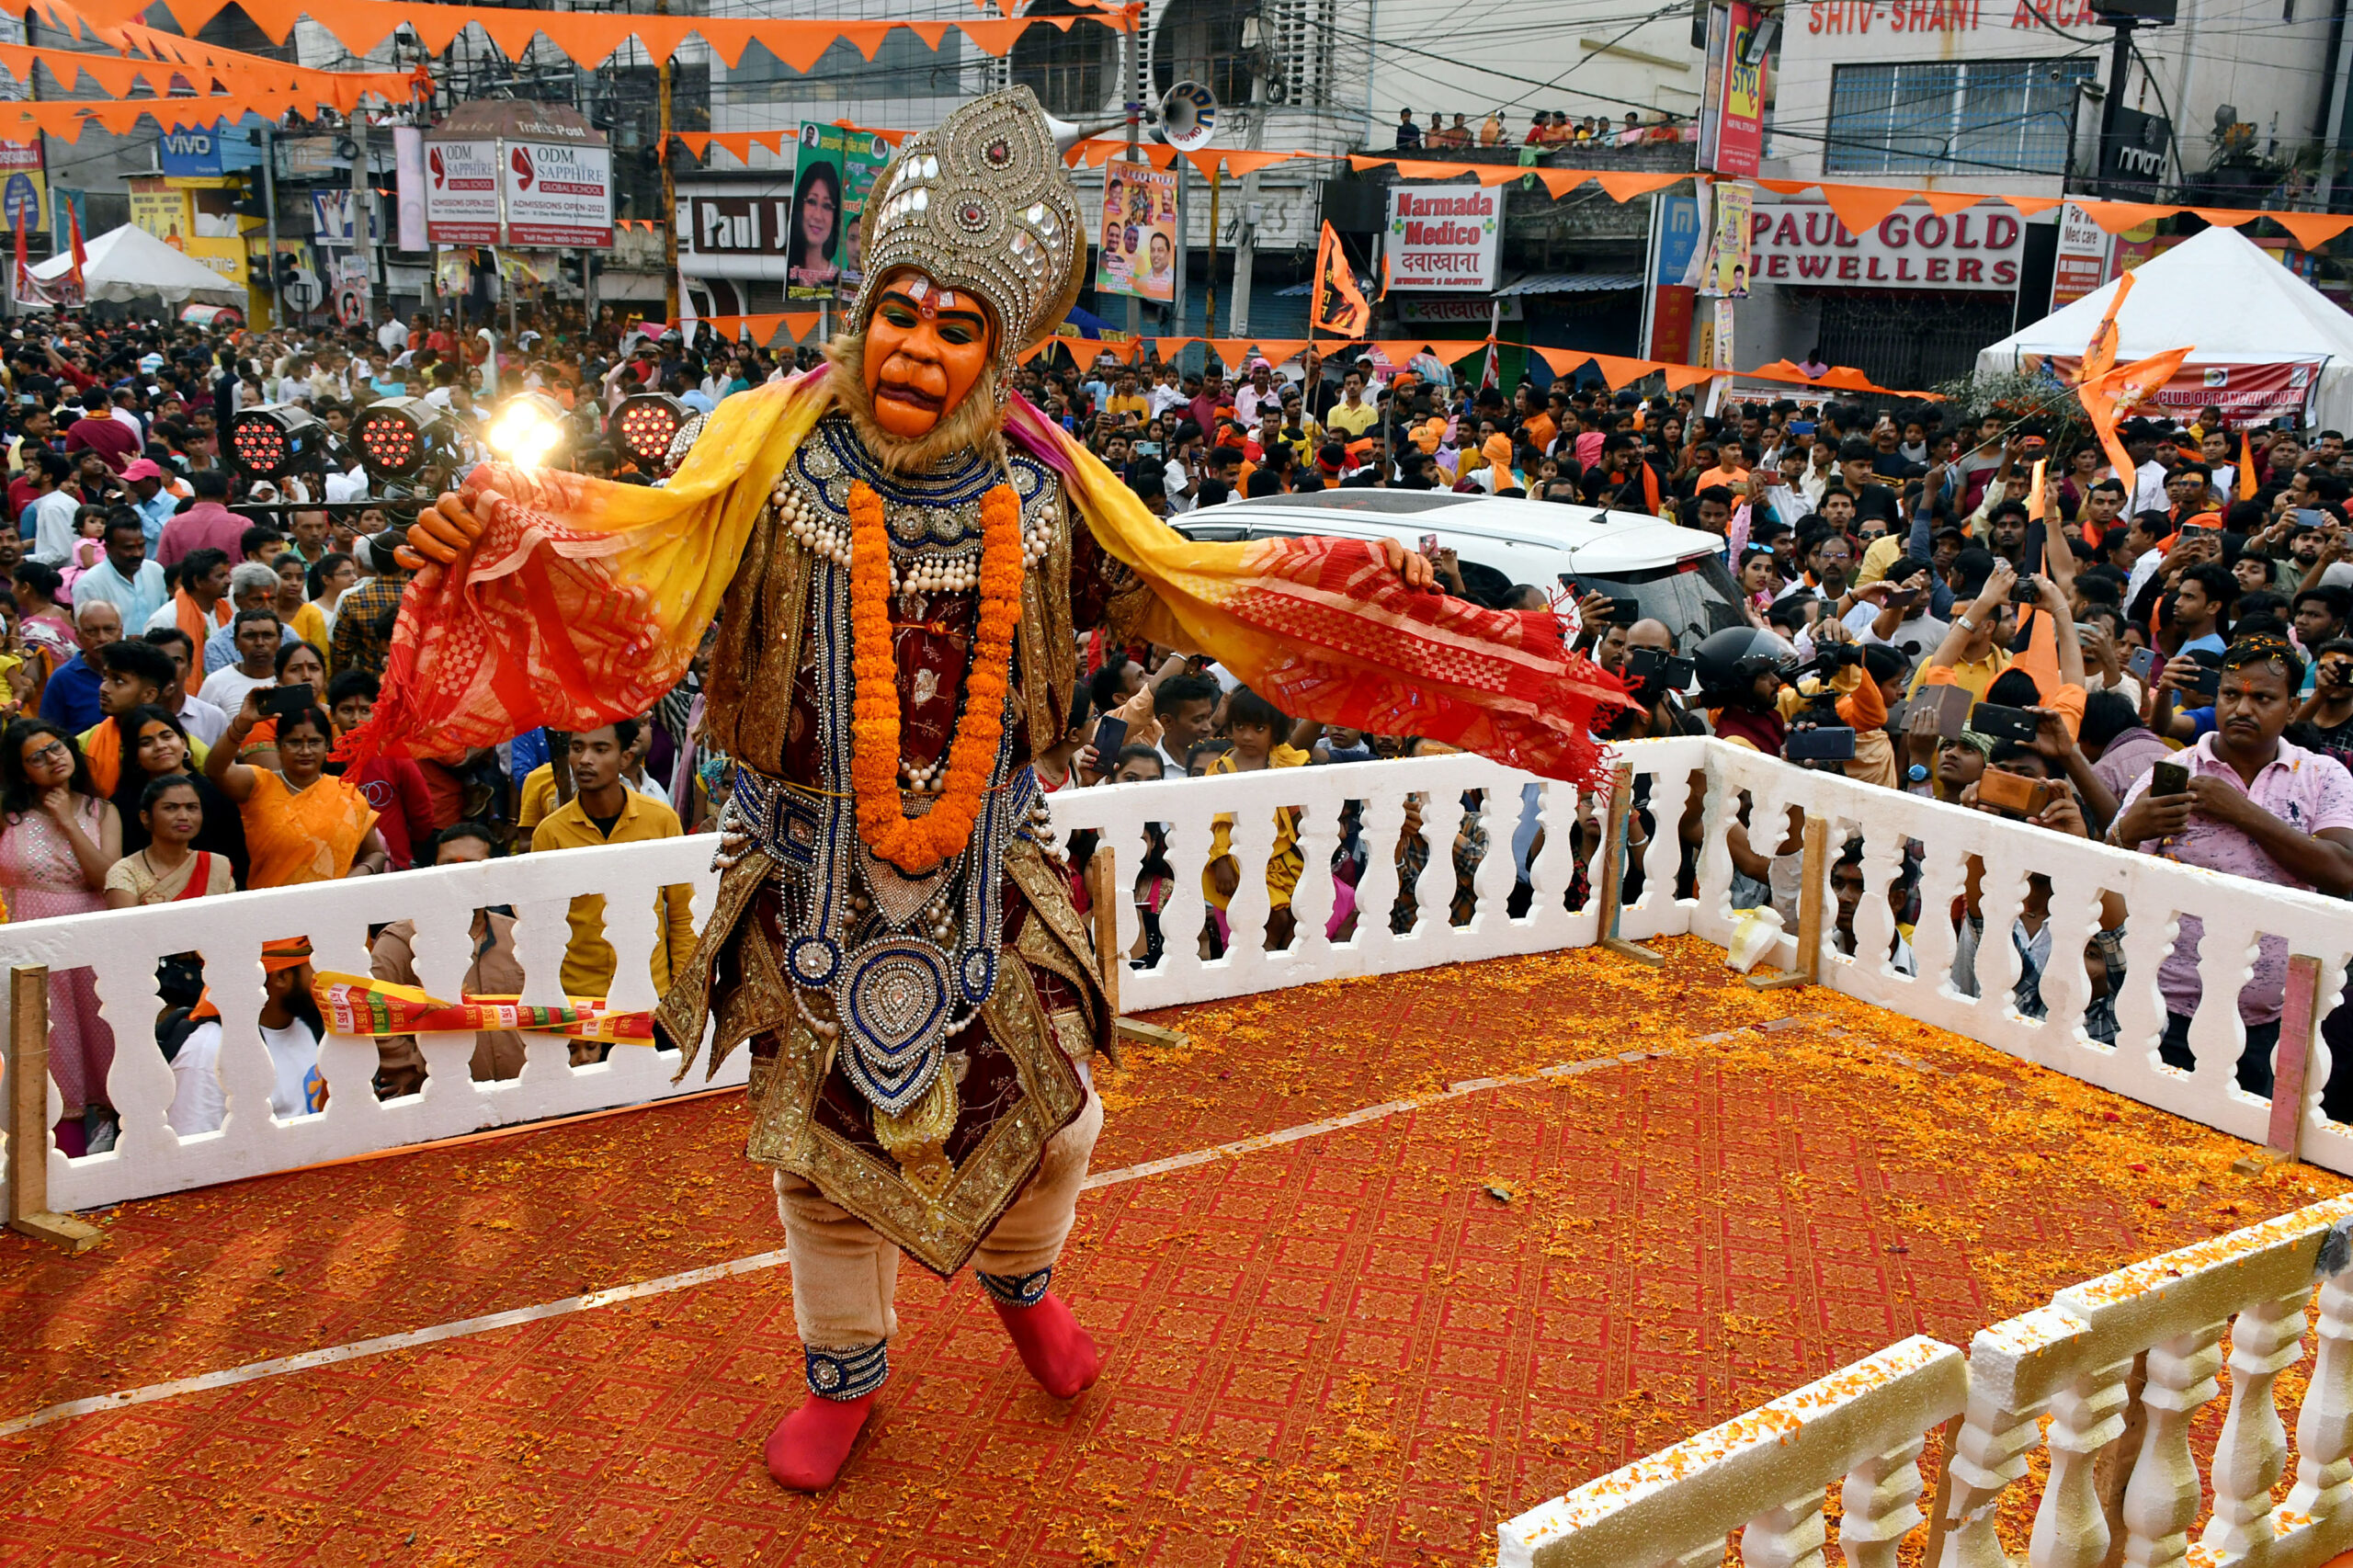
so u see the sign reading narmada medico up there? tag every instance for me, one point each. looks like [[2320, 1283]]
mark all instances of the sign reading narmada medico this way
[[1803, 243]]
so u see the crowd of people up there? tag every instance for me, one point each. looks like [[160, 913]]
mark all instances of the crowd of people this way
[[2158, 657], [1546, 128]]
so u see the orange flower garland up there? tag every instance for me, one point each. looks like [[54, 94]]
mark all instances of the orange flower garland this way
[[918, 844]]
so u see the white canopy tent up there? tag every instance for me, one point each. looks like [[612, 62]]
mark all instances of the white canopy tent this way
[[129, 263], [2240, 308]]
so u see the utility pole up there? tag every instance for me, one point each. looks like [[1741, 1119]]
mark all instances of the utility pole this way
[[1245, 245], [2119, 65], [669, 190], [1208, 287], [1131, 94], [360, 188], [270, 214]]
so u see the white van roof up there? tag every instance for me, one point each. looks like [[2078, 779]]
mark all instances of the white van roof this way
[[1597, 542]]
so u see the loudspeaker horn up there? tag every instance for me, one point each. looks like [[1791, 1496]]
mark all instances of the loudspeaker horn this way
[[1188, 117]]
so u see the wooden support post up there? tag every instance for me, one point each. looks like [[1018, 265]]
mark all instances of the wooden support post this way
[[1813, 873], [1103, 907], [2299, 1021], [1613, 868], [1103, 893], [28, 1077]]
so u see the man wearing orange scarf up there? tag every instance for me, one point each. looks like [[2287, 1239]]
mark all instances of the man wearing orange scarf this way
[[199, 607], [900, 556]]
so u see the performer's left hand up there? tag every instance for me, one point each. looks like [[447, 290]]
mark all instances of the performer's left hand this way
[[1413, 568]]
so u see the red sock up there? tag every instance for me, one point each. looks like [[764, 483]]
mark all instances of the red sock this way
[[809, 1447], [1055, 1349]]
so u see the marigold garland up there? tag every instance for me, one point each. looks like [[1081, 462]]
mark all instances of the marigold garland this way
[[918, 844]]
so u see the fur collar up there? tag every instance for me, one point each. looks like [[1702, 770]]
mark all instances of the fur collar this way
[[975, 425]]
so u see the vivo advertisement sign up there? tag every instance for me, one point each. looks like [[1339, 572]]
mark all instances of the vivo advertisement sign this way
[[218, 149]]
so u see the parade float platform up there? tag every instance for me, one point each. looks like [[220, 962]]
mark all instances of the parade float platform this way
[[1516, 1223]]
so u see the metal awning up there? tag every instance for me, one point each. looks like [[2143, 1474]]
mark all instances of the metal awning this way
[[1571, 283]]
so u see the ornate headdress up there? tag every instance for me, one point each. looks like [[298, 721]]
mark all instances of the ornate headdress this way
[[980, 202]]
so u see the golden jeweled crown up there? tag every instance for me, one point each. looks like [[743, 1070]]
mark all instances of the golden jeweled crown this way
[[980, 202]]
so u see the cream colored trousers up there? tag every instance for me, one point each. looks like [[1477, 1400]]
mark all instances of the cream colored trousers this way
[[843, 1276]]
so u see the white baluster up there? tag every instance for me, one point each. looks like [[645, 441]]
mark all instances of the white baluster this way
[[1879, 1506], [1251, 842], [2324, 1427], [1381, 821], [1790, 1535], [2071, 1526], [2162, 1500], [1874, 918], [1943, 877], [1989, 1456], [1311, 901], [1493, 878], [2266, 1340]]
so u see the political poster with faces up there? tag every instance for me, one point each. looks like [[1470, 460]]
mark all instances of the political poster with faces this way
[[1138, 253]]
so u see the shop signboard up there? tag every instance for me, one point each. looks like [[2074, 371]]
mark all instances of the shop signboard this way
[[1443, 237], [1800, 244]]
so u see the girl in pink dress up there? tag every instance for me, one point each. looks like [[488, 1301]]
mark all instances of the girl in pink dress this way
[[58, 839]]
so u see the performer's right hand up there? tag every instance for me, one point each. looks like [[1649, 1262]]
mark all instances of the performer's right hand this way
[[442, 533]]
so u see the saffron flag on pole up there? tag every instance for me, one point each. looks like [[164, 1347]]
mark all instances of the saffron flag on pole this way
[[1339, 305], [2099, 357], [2247, 469], [73, 292], [2119, 392]]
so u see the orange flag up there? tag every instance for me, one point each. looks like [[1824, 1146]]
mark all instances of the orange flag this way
[[2099, 357], [2247, 469], [1339, 305], [76, 289], [2116, 393]]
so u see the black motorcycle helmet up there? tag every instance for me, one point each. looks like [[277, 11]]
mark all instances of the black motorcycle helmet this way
[[1727, 663]]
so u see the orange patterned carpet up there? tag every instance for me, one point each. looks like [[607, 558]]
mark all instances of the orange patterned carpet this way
[[1365, 1346]]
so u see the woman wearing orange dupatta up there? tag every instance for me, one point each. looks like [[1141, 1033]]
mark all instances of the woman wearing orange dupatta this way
[[303, 824]]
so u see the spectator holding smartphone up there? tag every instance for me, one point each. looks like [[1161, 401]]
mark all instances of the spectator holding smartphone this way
[[302, 824], [2253, 805], [2329, 707]]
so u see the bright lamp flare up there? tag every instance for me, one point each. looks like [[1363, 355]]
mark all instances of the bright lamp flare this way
[[525, 430]]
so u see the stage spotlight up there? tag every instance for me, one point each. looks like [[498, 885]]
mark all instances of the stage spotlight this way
[[526, 429], [647, 423], [275, 440], [397, 437]]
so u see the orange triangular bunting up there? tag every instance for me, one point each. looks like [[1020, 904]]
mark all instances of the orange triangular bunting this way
[[1625, 187], [1862, 208], [1945, 203], [2116, 217], [2313, 229]]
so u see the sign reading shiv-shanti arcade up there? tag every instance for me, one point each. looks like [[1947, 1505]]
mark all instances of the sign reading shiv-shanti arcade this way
[[1443, 236], [1803, 243], [1946, 15]]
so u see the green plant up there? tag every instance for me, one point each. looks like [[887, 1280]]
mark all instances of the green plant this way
[[2017, 396]]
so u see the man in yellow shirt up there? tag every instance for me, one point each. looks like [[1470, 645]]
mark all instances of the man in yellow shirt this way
[[1352, 413], [604, 810], [1125, 400]]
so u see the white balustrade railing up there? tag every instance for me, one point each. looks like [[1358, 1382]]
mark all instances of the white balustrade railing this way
[[2155, 893], [122, 949], [2120, 1366], [1764, 1475]]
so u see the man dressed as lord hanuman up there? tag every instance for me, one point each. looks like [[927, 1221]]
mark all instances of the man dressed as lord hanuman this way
[[901, 555]]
